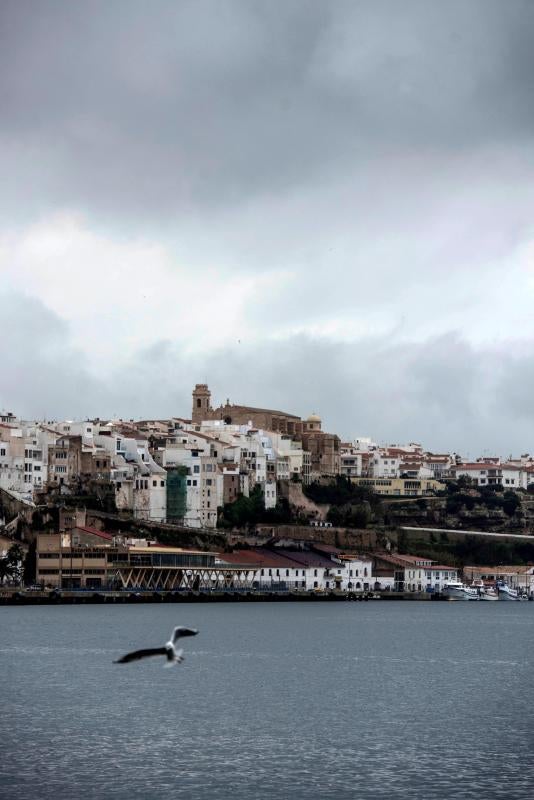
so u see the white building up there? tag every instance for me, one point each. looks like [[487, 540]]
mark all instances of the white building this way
[[140, 483], [486, 473]]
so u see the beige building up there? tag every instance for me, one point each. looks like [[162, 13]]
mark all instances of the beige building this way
[[264, 418], [86, 558], [401, 487]]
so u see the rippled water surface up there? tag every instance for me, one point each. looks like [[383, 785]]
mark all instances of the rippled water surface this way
[[363, 700]]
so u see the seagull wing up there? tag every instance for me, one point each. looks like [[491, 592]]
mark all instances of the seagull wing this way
[[181, 631], [136, 655]]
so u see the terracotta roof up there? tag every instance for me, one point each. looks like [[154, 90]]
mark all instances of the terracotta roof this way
[[258, 411], [94, 532]]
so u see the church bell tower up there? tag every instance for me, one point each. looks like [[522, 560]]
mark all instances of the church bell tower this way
[[201, 402]]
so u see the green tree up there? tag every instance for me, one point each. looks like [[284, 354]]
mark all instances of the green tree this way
[[334, 516]]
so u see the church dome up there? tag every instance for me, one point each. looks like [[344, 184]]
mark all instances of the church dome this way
[[314, 418]]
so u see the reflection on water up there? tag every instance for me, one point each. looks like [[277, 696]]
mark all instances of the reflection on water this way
[[389, 700]]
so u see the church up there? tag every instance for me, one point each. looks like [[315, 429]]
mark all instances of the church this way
[[324, 448]]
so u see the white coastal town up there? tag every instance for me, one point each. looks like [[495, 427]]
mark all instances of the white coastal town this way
[[268, 499]]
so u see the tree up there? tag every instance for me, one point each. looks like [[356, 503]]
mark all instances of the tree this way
[[15, 557], [11, 564], [334, 516]]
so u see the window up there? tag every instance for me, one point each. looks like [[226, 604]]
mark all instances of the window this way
[[208, 481], [199, 402], [3, 451], [154, 483], [196, 468], [162, 483]]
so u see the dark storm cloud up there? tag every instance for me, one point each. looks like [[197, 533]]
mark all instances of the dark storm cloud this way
[[374, 161], [160, 108]]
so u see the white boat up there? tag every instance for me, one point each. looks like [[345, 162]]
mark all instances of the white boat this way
[[506, 592], [484, 592], [459, 591], [488, 594]]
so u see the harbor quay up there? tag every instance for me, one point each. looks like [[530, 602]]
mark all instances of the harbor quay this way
[[88, 559], [17, 597]]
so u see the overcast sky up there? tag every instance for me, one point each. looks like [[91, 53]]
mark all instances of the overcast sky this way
[[314, 206]]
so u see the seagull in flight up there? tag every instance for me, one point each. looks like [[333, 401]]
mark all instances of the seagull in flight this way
[[174, 656]]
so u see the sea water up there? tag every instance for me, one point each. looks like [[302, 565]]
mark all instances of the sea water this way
[[275, 700]]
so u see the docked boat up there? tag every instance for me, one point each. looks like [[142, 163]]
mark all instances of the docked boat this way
[[506, 592], [484, 592], [488, 593], [459, 591]]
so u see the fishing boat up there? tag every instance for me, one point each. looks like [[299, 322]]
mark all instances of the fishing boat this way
[[506, 592], [459, 591], [484, 592]]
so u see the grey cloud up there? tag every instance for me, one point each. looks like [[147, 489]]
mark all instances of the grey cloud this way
[[442, 392], [40, 374], [164, 108]]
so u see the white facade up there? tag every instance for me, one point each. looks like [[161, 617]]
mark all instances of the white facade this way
[[383, 465], [351, 461], [508, 476], [24, 458], [270, 494], [140, 483], [428, 577]]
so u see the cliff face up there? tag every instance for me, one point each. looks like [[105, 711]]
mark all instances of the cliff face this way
[[344, 538], [441, 513]]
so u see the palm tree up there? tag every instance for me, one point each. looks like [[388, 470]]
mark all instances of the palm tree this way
[[15, 558]]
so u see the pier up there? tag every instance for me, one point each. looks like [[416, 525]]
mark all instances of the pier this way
[[23, 597]]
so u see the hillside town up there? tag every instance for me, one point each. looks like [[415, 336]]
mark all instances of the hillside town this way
[[191, 472], [185, 469]]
